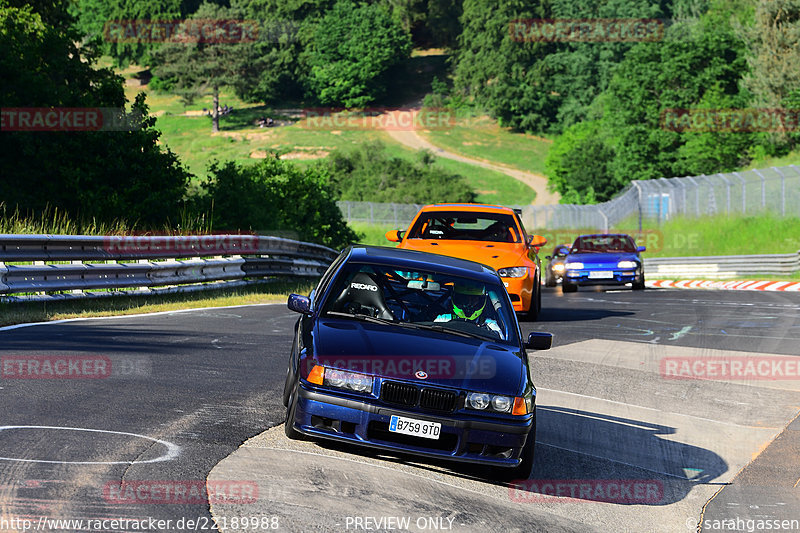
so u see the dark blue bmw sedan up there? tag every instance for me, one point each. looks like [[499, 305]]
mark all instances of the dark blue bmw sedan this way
[[416, 353]]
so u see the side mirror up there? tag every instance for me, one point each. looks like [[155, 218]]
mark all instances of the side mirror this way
[[536, 240], [539, 341], [641, 248], [394, 235], [299, 304]]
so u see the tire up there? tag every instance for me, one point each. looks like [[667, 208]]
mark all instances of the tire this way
[[525, 467], [638, 285], [288, 426], [532, 314], [287, 386], [568, 287]]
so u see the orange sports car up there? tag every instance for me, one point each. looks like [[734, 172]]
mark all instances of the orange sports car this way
[[489, 234]]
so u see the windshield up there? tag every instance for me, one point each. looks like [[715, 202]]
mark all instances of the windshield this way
[[603, 244], [452, 225], [422, 299]]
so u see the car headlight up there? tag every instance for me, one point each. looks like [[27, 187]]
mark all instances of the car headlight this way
[[502, 404], [513, 272], [627, 264], [574, 266], [559, 267], [478, 400], [490, 402], [341, 379]]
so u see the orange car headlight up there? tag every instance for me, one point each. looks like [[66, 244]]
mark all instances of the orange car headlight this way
[[513, 272]]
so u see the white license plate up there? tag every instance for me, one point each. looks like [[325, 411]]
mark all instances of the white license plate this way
[[418, 428], [601, 274]]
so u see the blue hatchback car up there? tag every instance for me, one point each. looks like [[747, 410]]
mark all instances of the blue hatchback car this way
[[416, 353], [607, 259]]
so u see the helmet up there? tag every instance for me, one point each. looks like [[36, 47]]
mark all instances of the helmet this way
[[469, 299]]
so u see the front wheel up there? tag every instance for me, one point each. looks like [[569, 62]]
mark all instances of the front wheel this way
[[568, 287], [638, 284]]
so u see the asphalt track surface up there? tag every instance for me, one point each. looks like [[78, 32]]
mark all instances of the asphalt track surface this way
[[188, 388]]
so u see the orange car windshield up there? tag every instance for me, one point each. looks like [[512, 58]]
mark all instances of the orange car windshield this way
[[465, 226]]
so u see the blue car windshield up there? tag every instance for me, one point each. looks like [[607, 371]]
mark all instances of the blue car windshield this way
[[428, 300], [603, 244]]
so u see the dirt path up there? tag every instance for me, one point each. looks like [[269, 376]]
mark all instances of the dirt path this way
[[412, 139]]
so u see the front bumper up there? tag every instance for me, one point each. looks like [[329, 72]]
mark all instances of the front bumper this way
[[520, 290], [581, 277], [365, 423]]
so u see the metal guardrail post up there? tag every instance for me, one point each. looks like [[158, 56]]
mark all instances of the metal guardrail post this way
[[783, 190], [763, 188], [728, 190], [639, 202], [744, 192]]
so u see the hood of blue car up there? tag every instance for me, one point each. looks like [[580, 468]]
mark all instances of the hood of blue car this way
[[608, 260], [418, 355]]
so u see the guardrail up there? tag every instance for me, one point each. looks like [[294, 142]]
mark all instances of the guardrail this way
[[160, 261], [723, 266]]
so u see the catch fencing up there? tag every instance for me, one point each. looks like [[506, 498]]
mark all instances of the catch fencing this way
[[773, 190], [76, 264], [722, 267]]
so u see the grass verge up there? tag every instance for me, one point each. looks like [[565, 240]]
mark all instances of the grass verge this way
[[720, 235], [482, 138], [267, 292]]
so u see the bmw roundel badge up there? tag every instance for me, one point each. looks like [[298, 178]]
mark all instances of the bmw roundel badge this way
[[421, 375]]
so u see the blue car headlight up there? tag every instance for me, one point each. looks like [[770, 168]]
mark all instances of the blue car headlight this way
[[627, 264], [513, 272], [493, 402], [340, 379]]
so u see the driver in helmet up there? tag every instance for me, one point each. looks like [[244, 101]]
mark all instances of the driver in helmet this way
[[469, 301]]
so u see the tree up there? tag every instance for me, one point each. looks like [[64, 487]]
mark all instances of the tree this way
[[504, 75], [774, 59], [369, 173], [118, 28], [201, 66], [275, 195], [578, 165], [105, 175], [353, 48]]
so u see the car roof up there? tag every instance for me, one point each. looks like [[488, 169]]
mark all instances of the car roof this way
[[604, 235], [414, 260], [472, 208]]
